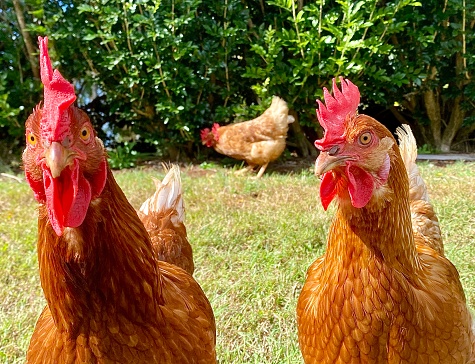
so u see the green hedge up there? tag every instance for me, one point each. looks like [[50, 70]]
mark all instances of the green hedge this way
[[153, 74]]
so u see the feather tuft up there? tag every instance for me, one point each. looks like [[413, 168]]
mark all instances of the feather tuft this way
[[280, 111], [167, 196], [408, 150]]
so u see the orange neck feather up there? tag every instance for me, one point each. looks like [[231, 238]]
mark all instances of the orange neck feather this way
[[381, 229], [106, 263]]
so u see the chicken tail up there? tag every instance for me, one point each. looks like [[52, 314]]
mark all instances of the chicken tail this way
[[162, 215], [408, 149], [424, 220], [167, 196], [280, 112]]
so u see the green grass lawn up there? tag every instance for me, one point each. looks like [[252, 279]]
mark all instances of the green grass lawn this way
[[253, 241]]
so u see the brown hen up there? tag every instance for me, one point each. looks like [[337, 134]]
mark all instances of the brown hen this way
[[382, 293], [109, 298], [258, 141]]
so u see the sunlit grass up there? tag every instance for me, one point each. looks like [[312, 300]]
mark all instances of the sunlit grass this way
[[253, 241]]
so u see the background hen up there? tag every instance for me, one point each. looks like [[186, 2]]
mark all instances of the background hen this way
[[382, 292], [109, 298], [258, 141]]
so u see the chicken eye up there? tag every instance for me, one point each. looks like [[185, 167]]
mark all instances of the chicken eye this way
[[32, 139], [85, 134], [365, 138]]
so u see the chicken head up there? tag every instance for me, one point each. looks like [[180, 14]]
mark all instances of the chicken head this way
[[210, 137], [354, 152], [63, 157]]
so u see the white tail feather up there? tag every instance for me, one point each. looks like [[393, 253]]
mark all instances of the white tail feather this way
[[168, 195], [280, 111], [408, 149]]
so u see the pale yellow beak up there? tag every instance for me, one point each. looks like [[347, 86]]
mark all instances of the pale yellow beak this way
[[326, 162], [57, 158]]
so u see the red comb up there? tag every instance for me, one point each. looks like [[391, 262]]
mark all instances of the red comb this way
[[333, 114], [214, 130], [58, 96]]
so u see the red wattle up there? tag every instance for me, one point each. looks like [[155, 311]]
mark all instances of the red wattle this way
[[328, 189], [360, 186], [37, 186], [67, 198]]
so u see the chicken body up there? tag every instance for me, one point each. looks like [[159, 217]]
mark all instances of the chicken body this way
[[163, 215], [110, 299], [258, 141], [381, 293]]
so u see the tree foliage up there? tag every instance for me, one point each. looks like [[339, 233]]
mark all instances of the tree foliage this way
[[19, 87], [152, 74], [167, 70], [435, 54], [319, 40]]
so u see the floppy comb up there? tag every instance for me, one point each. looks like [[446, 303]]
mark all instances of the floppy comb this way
[[337, 109], [58, 96]]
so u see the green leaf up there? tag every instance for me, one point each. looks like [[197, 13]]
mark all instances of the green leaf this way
[[84, 8]]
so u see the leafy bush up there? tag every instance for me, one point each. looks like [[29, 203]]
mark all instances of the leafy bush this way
[[167, 70], [18, 86], [164, 70], [435, 61], [310, 45], [123, 156]]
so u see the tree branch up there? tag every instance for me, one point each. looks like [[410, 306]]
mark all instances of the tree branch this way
[[30, 48]]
